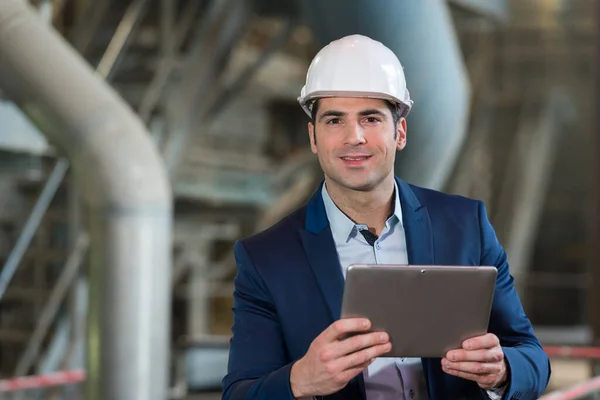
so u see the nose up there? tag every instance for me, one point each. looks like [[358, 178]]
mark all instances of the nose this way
[[354, 135]]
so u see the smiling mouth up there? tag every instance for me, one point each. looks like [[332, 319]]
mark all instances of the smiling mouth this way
[[356, 158]]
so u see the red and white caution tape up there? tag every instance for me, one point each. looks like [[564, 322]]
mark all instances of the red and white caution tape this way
[[573, 352], [41, 381]]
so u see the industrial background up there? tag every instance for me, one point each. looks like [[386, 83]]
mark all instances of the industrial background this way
[[140, 138]]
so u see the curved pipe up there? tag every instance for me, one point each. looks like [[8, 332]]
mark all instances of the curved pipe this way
[[126, 189], [423, 37]]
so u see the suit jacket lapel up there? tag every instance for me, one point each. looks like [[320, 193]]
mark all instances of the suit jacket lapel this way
[[322, 254], [417, 227], [320, 248]]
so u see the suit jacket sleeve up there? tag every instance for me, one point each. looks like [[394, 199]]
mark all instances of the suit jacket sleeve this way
[[259, 366], [529, 367]]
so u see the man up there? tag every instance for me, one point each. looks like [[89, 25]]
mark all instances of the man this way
[[288, 339]]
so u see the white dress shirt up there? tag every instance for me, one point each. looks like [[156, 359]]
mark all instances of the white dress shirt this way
[[386, 378]]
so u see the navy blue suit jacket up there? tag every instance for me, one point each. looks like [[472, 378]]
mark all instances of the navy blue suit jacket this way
[[289, 285]]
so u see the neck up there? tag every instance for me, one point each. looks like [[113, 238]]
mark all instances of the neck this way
[[371, 208]]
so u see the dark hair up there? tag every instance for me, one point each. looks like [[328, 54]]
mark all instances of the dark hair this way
[[393, 109]]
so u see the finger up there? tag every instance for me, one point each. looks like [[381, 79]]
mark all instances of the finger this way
[[494, 354], [346, 375], [350, 345], [486, 341], [476, 368], [485, 381], [361, 357], [358, 342], [344, 326]]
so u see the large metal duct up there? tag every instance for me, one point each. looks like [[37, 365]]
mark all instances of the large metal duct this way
[[422, 35], [126, 188]]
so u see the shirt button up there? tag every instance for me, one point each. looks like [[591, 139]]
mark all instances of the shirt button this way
[[378, 246]]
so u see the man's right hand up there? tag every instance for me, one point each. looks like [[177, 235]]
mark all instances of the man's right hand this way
[[333, 358]]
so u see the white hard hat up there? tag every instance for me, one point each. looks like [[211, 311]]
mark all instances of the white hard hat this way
[[356, 66]]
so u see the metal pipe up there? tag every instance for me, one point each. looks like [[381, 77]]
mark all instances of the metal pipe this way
[[187, 21], [227, 21], [153, 92], [53, 357], [126, 189], [167, 24], [276, 42], [527, 180], [105, 69], [497, 10], [33, 222], [122, 38], [88, 23], [77, 301]]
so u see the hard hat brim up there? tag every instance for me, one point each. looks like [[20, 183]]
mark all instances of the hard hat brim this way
[[306, 101]]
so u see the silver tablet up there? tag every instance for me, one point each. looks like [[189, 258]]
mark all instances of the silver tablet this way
[[426, 310]]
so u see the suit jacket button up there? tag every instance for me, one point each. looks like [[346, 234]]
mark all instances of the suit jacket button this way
[[411, 393]]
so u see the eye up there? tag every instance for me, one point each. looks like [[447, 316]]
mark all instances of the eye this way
[[334, 121], [372, 120]]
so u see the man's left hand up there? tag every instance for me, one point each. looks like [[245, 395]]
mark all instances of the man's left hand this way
[[481, 359]]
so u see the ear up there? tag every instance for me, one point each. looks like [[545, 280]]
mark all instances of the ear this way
[[313, 140], [401, 134]]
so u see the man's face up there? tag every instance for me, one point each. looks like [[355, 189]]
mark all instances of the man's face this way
[[355, 141]]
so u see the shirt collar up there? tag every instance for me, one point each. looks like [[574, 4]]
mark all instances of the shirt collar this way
[[342, 227]]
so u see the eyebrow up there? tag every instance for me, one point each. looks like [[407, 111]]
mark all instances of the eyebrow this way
[[331, 113], [363, 113], [371, 112]]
